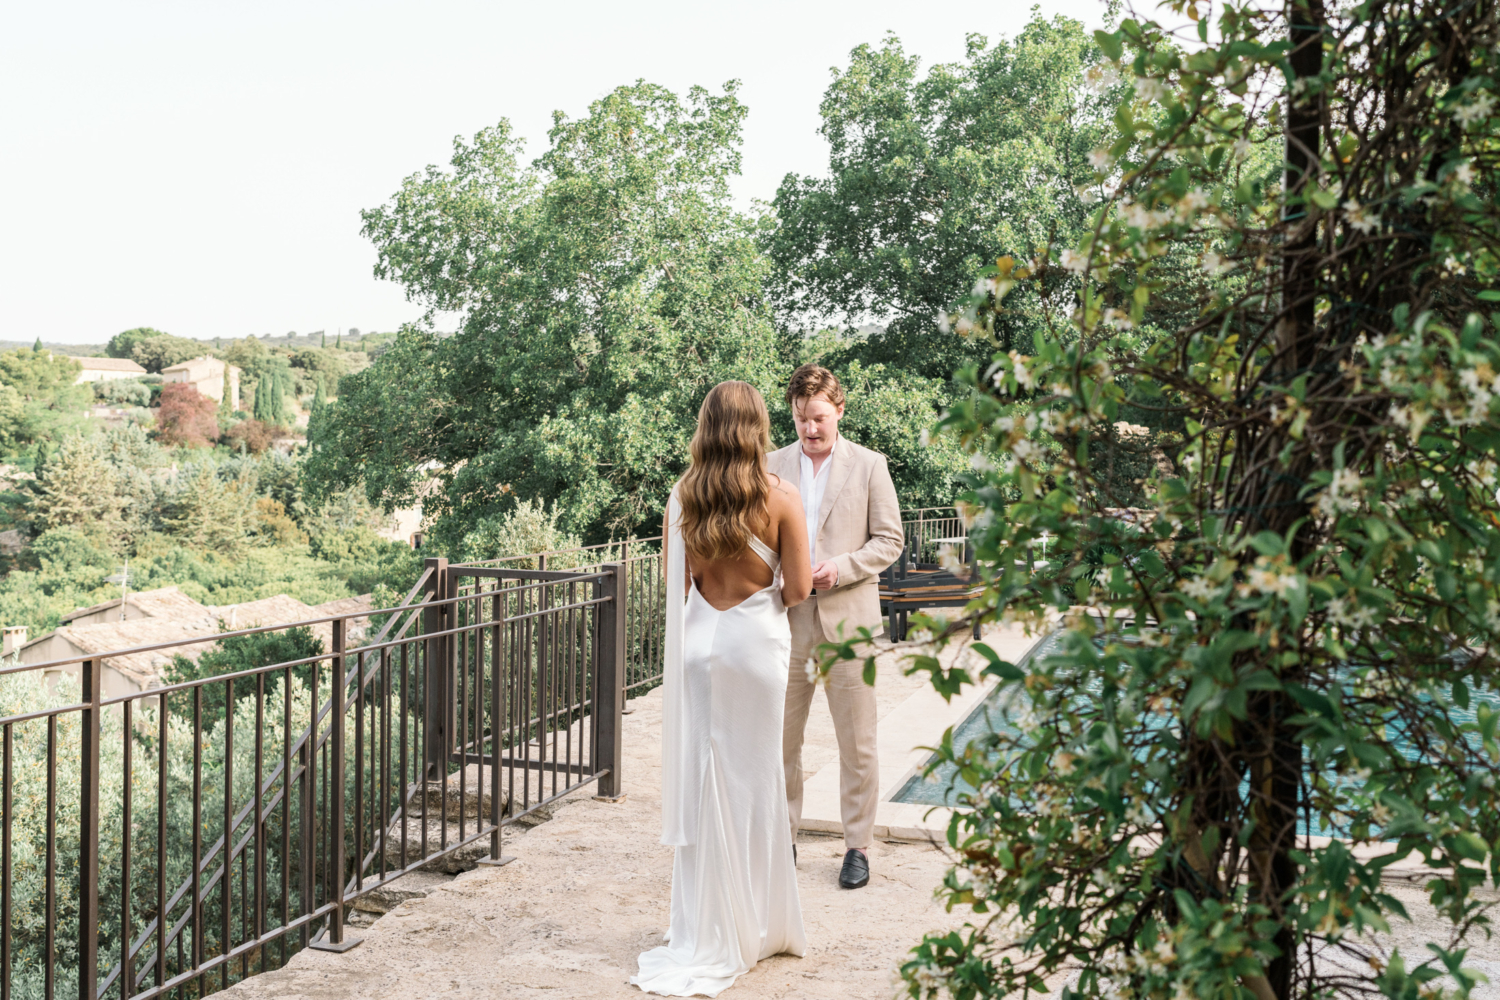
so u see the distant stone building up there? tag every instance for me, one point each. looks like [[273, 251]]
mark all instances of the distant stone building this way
[[105, 369], [165, 602], [167, 615], [207, 376]]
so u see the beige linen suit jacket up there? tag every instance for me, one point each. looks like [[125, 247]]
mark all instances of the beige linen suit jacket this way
[[858, 527]]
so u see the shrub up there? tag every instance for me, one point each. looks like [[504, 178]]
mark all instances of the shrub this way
[[232, 655], [187, 418], [1279, 679], [123, 392], [255, 435], [524, 529]]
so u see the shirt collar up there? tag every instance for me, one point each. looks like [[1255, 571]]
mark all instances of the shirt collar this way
[[807, 460]]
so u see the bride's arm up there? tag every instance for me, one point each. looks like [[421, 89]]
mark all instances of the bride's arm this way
[[796, 563]]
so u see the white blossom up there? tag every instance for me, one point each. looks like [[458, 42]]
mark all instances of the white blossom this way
[[1148, 88], [1194, 201], [1346, 611], [1343, 494], [1101, 77], [1018, 367], [951, 558], [1361, 218], [1199, 588], [1241, 148], [1214, 264], [1075, 261], [810, 668], [1267, 579], [1475, 111], [1464, 173], [1026, 450], [1101, 160]]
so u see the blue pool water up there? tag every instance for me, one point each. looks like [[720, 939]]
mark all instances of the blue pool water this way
[[943, 787]]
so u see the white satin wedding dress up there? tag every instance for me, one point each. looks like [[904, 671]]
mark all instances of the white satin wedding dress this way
[[734, 886]]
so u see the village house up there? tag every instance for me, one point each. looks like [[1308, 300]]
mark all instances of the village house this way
[[206, 374], [166, 615], [106, 369]]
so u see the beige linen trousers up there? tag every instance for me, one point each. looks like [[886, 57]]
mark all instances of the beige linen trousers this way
[[859, 528]]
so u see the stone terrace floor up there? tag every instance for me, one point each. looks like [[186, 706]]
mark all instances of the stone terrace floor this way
[[590, 890]]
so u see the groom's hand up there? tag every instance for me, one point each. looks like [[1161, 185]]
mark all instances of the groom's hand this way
[[825, 575]]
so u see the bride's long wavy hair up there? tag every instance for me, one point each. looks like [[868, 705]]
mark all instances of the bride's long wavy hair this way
[[725, 491]]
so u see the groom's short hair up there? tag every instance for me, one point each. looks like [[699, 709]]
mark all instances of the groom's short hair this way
[[810, 381]]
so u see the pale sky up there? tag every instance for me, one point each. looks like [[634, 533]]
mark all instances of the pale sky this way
[[200, 167]]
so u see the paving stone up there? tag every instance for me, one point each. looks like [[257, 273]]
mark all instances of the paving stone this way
[[414, 885]]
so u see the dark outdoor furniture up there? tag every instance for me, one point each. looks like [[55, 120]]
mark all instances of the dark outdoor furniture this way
[[907, 586]]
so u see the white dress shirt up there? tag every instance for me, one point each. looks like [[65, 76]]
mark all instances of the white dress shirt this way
[[812, 489]]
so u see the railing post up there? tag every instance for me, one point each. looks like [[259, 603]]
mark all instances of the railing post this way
[[88, 842], [435, 688], [338, 708], [609, 683]]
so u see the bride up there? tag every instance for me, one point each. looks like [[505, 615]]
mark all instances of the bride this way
[[736, 543]]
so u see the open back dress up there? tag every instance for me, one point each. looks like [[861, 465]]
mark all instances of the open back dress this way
[[734, 885]]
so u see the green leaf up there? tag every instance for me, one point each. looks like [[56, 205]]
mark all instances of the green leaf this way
[[1110, 44]]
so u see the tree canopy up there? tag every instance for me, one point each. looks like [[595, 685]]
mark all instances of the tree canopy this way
[[931, 179], [602, 290]]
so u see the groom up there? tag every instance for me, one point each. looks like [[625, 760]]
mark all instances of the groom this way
[[854, 531]]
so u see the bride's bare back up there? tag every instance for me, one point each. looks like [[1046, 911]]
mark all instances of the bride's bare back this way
[[726, 582]]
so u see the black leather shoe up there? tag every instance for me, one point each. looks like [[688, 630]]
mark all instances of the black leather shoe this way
[[856, 871], [794, 855]]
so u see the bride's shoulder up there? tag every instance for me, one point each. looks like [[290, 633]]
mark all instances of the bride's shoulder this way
[[783, 491]]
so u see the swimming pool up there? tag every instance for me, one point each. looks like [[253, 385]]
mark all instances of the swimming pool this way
[[942, 787]]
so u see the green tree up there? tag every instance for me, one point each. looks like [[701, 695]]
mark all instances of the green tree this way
[[164, 351], [207, 511], [247, 354], [931, 179], [271, 389], [77, 487], [37, 347], [122, 344], [603, 291], [235, 654], [1279, 678], [44, 402]]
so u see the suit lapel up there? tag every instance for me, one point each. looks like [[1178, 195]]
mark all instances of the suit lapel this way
[[787, 463], [838, 475]]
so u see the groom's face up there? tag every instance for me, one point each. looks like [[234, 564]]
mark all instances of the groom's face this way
[[817, 424]]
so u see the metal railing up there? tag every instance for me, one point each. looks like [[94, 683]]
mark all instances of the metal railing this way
[[645, 597], [171, 841], [923, 528]]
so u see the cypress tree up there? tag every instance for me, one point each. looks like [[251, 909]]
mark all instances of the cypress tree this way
[[263, 392], [324, 342], [226, 405], [37, 346]]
